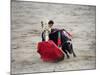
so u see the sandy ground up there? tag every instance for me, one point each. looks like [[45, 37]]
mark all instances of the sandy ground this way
[[26, 33]]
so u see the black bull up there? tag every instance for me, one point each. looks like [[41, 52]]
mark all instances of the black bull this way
[[66, 44]]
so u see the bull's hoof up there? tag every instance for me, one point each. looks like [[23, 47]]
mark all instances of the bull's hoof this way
[[74, 55], [68, 57]]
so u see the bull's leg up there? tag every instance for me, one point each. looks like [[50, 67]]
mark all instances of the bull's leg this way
[[74, 55], [66, 53]]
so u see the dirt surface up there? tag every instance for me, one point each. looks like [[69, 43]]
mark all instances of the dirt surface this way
[[79, 20]]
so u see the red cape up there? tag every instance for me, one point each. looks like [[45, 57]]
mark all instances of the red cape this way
[[49, 51]]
